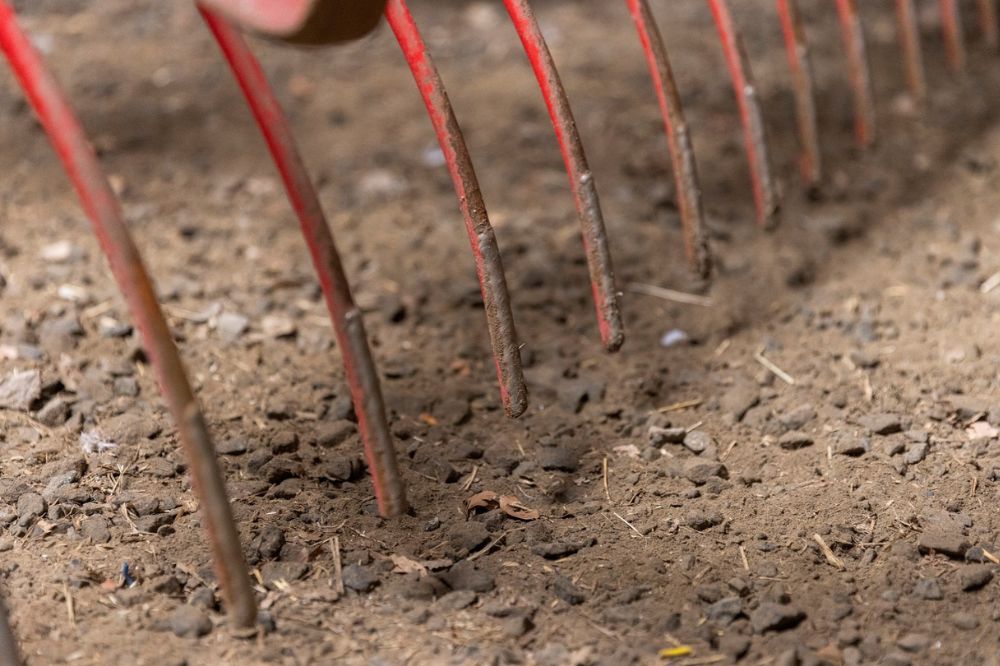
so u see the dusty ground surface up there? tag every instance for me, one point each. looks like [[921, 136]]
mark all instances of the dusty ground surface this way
[[870, 296]]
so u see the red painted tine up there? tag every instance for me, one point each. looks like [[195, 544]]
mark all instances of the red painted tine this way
[[9, 654], [106, 219], [362, 378], [954, 41], [595, 240], [489, 266], [678, 139], [764, 193], [988, 23], [797, 49], [853, 37], [909, 35]]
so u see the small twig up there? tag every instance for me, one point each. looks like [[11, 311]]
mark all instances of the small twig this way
[[778, 372], [631, 526], [338, 567], [743, 558], [604, 467], [472, 478], [990, 556], [694, 426], [723, 346], [729, 449], [684, 404], [488, 547], [827, 553], [990, 283], [670, 294], [70, 606]]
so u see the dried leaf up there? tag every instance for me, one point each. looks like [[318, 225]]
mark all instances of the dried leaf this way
[[484, 500], [513, 508], [405, 565], [510, 505], [981, 429]]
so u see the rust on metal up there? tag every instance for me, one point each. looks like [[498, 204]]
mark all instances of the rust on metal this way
[[954, 40], [853, 37], [988, 23], [362, 378], [595, 239], [104, 212], [797, 50], [913, 59], [682, 160], [765, 194], [489, 266]]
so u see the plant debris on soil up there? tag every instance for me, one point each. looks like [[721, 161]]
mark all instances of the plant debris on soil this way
[[806, 474]]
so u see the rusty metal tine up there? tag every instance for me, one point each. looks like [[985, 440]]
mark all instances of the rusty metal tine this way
[[362, 377], [595, 240], [678, 138], [754, 134], [489, 265], [909, 37], [9, 654], [853, 37], [954, 41], [797, 49], [988, 23], [105, 215]]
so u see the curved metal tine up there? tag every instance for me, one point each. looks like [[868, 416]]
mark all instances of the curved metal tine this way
[[489, 265], [9, 654], [988, 23], [678, 139], [362, 378], [595, 240], [909, 36], [797, 49], [105, 215], [954, 40], [764, 193], [853, 36]]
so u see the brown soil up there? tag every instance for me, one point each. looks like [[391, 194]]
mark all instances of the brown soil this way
[[868, 296]]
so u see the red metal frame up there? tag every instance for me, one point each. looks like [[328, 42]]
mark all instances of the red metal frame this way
[[581, 180], [489, 266], [105, 215], [988, 23], [689, 201], [954, 40], [765, 195], [909, 37], [362, 377], [853, 37], [797, 50]]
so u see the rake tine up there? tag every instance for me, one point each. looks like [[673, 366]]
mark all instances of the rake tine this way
[[362, 377], [678, 139], [853, 37], [9, 654], [909, 35], [595, 240], [797, 48], [489, 266], [954, 41], [105, 215], [988, 23], [764, 194]]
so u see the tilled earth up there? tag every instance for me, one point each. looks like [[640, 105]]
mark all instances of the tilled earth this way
[[838, 511]]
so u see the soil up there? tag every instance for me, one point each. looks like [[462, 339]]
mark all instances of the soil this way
[[841, 511]]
